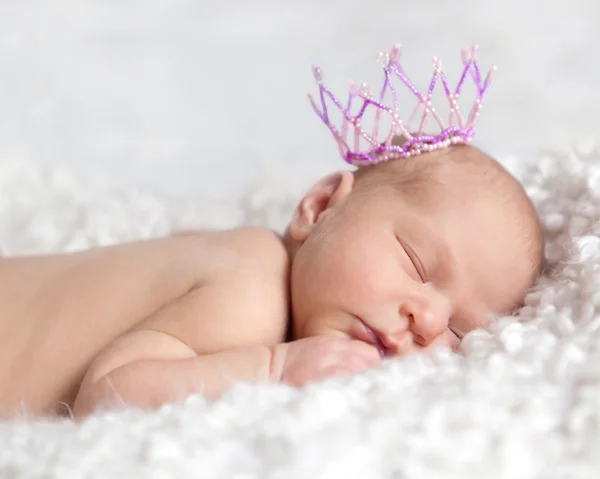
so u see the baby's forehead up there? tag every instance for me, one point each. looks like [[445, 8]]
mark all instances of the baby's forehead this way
[[462, 183], [459, 171]]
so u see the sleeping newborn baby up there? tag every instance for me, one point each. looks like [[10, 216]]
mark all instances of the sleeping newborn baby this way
[[427, 240], [412, 254]]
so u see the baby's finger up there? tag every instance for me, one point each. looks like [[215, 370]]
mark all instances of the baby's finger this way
[[369, 353], [357, 365]]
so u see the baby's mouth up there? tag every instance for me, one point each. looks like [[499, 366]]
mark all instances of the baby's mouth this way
[[363, 332], [370, 336]]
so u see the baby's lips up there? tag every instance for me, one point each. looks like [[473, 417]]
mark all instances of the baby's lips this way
[[362, 332]]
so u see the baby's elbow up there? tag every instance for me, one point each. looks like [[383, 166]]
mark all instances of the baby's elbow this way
[[104, 393], [85, 403]]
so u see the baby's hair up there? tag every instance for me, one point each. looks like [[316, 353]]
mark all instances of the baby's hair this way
[[416, 178]]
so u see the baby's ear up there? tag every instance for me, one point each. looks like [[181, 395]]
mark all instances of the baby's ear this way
[[326, 193]]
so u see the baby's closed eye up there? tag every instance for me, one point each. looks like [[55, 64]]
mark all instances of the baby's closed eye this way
[[414, 260]]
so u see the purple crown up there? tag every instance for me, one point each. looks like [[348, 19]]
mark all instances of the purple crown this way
[[367, 148]]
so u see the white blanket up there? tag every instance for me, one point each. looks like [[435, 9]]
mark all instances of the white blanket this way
[[522, 402]]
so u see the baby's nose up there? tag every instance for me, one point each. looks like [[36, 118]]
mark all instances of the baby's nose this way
[[427, 315]]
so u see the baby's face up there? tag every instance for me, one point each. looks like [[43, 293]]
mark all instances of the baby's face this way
[[407, 275]]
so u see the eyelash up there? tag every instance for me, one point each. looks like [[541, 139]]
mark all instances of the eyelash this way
[[415, 261], [417, 264]]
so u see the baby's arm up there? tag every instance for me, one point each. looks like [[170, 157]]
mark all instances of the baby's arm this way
[[175, 371], [179, 349], [149, 368]]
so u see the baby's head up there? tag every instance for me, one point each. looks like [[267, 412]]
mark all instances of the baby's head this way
[[412, 253]]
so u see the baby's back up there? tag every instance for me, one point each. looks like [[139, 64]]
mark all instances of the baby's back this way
[[58, 312]]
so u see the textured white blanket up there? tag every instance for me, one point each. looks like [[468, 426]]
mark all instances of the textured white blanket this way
[[522, 402]]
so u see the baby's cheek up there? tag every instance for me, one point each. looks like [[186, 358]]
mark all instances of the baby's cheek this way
[[347, 275], [377, 271], [372, 282]]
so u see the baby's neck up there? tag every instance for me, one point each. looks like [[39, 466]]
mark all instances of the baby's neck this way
[[291, 246]]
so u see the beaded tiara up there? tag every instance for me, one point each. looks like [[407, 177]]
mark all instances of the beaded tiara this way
[[365, 148]]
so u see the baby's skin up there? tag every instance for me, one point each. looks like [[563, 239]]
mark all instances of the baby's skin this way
[[392, 259]]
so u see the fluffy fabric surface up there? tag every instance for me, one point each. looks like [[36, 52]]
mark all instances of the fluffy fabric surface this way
[[522, 401]]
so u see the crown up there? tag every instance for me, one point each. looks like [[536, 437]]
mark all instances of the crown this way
[[366, 147]]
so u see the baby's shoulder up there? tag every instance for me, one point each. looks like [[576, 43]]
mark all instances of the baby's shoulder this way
[[244, 294], [253, 256], [262, 246], [248, 248]]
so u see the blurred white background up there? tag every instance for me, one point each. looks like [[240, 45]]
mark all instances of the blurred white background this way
[[199, 97]]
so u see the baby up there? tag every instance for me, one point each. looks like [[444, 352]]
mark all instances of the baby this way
[[425, 241]]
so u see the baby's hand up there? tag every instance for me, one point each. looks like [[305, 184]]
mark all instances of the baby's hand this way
[[320, 357]]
